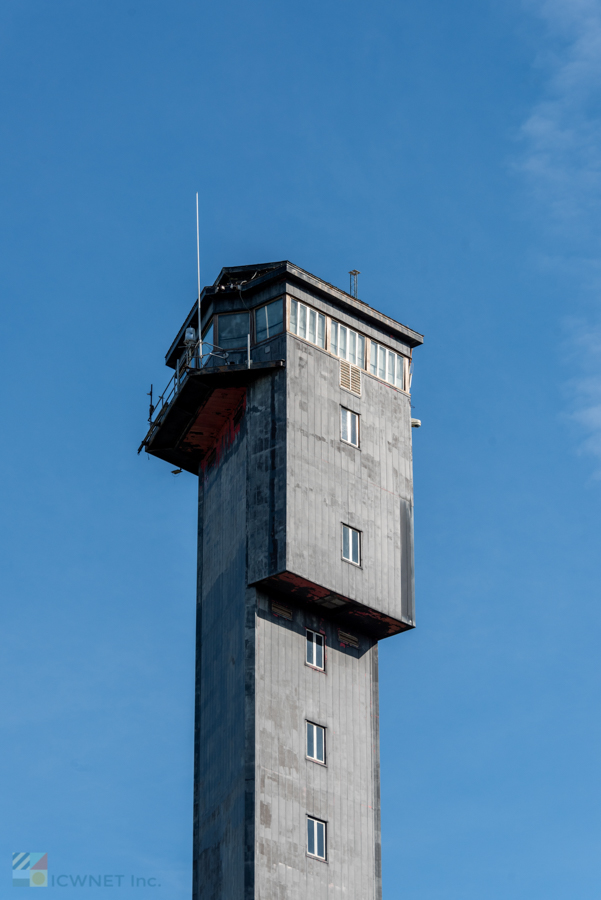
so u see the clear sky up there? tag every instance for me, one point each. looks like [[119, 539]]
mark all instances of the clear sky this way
[[451, 152]]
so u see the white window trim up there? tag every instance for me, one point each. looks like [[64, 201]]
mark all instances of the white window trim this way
[[315, 759], [309, 309], [329, 321], [308, 819], [323, 647], [344, 558], [358, 335], [344, 409], [406, 364]]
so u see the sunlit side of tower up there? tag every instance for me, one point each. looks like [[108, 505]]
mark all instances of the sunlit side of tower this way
[[305, 562]]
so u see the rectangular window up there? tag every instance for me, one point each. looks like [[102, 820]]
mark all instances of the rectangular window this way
[[312, 326], [321, 331], [315, 649], [352, 347], [347, 344], [391, 367], [316, 742], [351, 545], [269, 320], [373, 358], [342, 331], [349, 427], [382, 363], [387, 365], [302, 321], [316, 838], [400, 374], [307, 323], [232, 330]]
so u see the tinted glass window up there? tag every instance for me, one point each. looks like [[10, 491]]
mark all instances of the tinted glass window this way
[[233, 329], [270, 320]]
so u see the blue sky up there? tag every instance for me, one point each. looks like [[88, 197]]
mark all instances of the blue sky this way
[[449, 151]]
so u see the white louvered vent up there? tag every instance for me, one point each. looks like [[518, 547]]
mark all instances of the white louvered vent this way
[[349, 639], [278, 609], [350, 377]]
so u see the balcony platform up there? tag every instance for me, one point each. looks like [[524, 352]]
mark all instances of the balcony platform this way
[[186, 429]]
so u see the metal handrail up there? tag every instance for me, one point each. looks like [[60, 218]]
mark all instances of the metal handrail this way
[[194, 359]]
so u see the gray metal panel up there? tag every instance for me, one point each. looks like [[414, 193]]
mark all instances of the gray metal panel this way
[[330, 483]]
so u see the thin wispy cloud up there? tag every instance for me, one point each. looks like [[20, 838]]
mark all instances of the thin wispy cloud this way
[[562, 163]]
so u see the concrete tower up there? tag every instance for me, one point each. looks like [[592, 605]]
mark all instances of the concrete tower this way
[[305, 562]]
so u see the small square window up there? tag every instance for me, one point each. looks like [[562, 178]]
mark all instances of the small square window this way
[[316, 838], [316, 742], [351, 545], [349, 427], [315, 655]]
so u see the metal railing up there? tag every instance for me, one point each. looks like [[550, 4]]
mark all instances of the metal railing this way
[[195, 357]]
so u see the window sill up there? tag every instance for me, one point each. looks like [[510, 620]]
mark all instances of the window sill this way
[[315, 668], [317, 858], [311, 344], [387, 383]]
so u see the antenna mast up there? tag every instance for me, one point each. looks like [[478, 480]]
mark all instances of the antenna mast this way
[[198, 268]]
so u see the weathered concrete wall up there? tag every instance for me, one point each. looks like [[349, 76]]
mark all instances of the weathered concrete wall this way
[[344, 792], [330, 483]]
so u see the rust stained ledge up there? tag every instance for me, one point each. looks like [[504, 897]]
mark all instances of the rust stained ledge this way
[[340, 609], [187, 429]]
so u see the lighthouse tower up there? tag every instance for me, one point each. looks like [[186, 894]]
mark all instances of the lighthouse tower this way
[[290, 400]]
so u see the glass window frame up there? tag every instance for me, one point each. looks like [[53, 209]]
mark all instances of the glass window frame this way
[[307, 321], [343, 338], [313, 828], [351, 544], [349, 413], [235, 312], [315, 730], [255, 336], [314, 644], [384, 360]]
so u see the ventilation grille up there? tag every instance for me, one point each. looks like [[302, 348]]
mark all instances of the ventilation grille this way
[[349, 639], [278, 609], [350, 377]]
